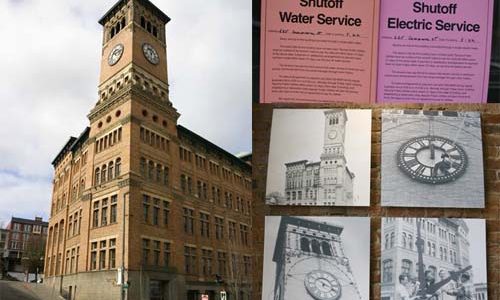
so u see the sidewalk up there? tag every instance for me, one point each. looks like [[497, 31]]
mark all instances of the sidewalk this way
[[42, 291]]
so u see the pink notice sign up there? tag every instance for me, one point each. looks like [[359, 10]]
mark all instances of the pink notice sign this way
[[434, 51], [318, 50]]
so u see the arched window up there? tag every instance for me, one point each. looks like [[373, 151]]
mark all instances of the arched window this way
[[406, 266], [429, 248], [151, 167], [158, 172], [315, 247], [304, 245], [325, 247], [155, 31], [123, 23], [110, 170], [410, 241], [393, 237], [387, 241], [82, 187], [404, 239], [387, 269], [118, 167], [96, 176], [143, 166], [143, 22], [103, 173], [148, 26]]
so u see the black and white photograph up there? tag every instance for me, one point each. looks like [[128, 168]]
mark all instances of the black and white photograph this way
[[316, 258], [319, 157], [432, 159], [433, 259]]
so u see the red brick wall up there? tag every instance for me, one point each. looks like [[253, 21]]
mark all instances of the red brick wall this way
[[490, 117]]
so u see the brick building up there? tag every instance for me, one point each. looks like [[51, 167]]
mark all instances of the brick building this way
[[23, 235], [136, 190]]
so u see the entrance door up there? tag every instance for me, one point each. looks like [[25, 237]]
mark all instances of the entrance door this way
[[157, 290]]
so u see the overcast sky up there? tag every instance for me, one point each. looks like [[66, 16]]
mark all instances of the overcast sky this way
[[356, 241], [49, 62]]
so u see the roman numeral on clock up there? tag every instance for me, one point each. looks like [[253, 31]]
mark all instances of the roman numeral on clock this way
[[420, 170], [411, 163]]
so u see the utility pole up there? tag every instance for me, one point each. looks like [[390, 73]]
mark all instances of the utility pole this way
[[122, 275]]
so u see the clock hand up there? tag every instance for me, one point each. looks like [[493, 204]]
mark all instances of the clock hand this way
[[432, 149]]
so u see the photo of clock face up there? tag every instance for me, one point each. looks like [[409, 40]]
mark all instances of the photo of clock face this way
[[115, 54], [332, 134], [431, 159], [322, 285]]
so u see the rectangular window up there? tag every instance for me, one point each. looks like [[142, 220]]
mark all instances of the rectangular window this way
[[206, 261], [221, 263], [244, 234], [93, 260], [112, 254], [188, 220], [102, 259], [145, 251], [166, 211], [166, 254], [112, 216], [145, 208], [232, 231], [156, 210], [104, 212], [219, 228], [190, 260], [95, 216], [247, 265], [204, 225], [156, 253]]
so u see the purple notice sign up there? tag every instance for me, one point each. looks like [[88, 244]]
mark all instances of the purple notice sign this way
[[434, 51]]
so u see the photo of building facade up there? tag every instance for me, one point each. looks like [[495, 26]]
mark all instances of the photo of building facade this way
[[142, 207], [312, 261], [432, 159], [329, 181], [445, 247]]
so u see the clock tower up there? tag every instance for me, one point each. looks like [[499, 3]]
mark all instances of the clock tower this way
[[311, 263], [333, 162]]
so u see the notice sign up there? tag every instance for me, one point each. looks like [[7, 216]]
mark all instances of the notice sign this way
[[434, 51], [318, 50]]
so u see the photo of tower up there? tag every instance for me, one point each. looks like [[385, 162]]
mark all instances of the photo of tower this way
[[316, 258], [340, 138]]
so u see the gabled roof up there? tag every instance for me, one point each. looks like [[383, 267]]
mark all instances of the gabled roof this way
[[118, 5]]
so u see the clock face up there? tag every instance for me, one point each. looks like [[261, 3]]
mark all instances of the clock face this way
[[115, 54], [322, 285], [332, 134], [150, 54], [432, 159]]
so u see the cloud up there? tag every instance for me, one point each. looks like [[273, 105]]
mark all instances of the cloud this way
[[50, 65]]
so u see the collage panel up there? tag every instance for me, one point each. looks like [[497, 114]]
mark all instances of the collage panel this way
[[433, 258], [432, 159], [319, 157], [316, 258]]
